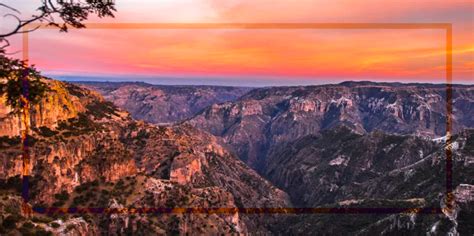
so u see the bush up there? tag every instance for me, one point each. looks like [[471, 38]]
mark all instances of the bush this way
[[28, 225], [10, 221], [12, 183], [41, 219], [74, 90], [58, 204], [77, 126], [46, 132], [54, 225], [95, 183], [101, 109], [81, 188], [9, 141], [63, 196], [69, 228], [42, 232]]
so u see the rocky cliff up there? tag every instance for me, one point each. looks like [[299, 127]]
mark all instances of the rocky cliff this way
[[85, 152], [352, 145], [268, 117], [356, 144]]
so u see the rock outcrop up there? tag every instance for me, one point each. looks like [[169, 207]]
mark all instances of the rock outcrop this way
[[352, 145], [83, 147], [266, 118]]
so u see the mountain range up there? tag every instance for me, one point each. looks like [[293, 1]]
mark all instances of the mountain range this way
[[347, 145]]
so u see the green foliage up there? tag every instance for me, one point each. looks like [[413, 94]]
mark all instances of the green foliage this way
[[28, 225], [42, 232], [63, 196], [13, 183], [20, 80], [101, 109], [6, 141], [79, 201], [55, 225], [81, 188], [10, 221], [70, 14], [46, 132], [41, 219], [29, 229], [74, 90], [58, 204], [69, 228], [88, 194], [79, 125]]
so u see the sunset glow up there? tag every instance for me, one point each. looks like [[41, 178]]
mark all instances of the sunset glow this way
[[409, 55]]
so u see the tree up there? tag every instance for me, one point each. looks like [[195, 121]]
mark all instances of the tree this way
[[12, 71], [19, 79], [21, 84], [71, 13]]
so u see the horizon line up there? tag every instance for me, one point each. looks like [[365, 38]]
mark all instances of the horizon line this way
[[231, 81]]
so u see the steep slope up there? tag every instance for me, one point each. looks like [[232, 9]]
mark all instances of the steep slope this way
[[85, 152], [357, 145], [409, 223], [268, 117], [161, 103], [340, 165]]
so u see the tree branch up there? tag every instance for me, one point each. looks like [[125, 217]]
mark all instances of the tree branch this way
[[22, 24], [70, 13], [11, 8], [7, 43]]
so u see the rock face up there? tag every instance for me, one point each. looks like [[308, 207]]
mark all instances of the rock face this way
[[164, 104], [268, 117], [85, 152], [57, 106], [340, 165], [352, 145]]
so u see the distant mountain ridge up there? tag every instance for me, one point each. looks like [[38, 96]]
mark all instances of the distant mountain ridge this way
[[163, 103], [400, 84], [265, 117]]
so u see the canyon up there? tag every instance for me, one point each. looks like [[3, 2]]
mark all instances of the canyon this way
[[85, 152], [347, 145]]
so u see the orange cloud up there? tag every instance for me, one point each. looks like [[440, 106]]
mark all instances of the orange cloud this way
[[365, 54]]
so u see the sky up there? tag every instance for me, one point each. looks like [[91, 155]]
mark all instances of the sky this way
[[250, 57]]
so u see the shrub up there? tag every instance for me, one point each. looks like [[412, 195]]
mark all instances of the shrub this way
[[95, 183], [101, 109], [81, 188], [58, 204], [75, 90], [28, 225], [42, 232], [69, 228], [9, 141], [54, 225], [46, 132], [41, 219], [10, 221], [63, 196], [78, 201]]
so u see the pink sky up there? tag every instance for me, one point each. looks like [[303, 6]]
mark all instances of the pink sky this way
[[285, 55]]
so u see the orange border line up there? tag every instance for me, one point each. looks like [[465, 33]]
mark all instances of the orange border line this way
[[443, 26], [257, 26]]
